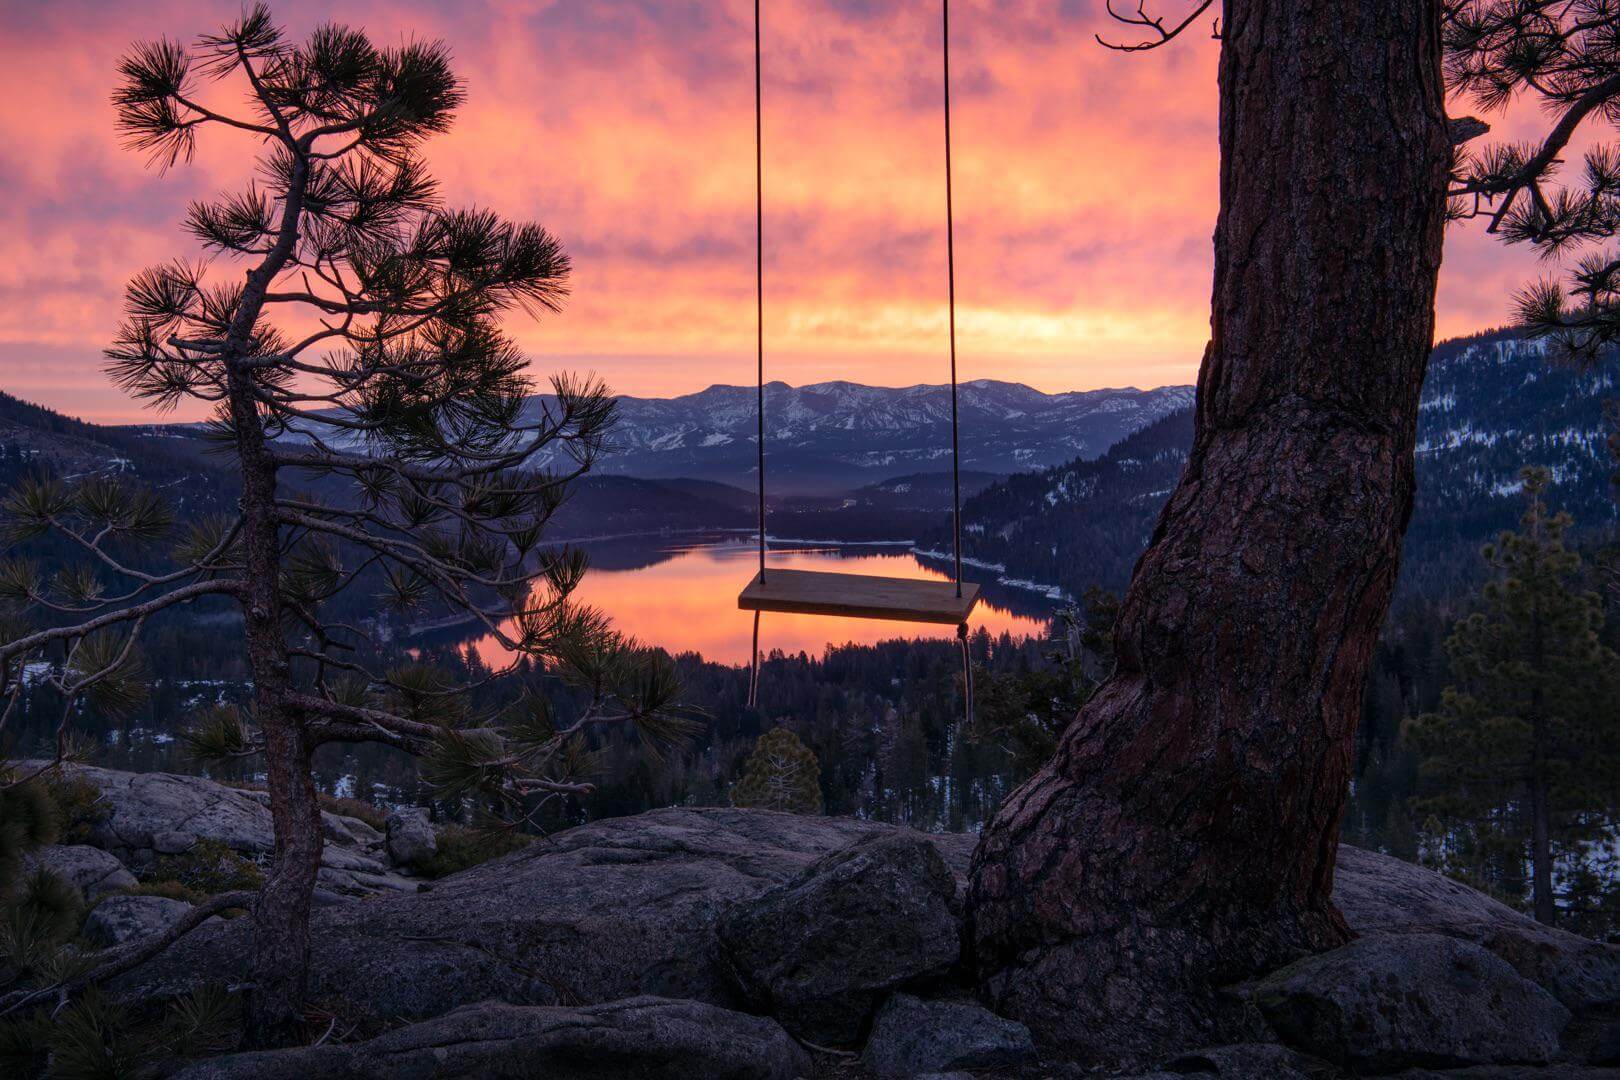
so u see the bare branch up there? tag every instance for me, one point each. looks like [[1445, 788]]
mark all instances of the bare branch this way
[[1153, 24]]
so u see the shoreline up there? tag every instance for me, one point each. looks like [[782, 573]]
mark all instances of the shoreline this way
[[1055, 593]]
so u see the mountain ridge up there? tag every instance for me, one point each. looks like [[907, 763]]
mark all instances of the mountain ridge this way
[[828, 438], [1491, 404], [831, 437]]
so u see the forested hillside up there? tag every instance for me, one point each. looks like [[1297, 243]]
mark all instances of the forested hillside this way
[[37, 439], [1083, 523], [175, 460], [1491, 405]]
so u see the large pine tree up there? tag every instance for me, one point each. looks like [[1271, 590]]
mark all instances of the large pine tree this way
[[347, 327], [1524, 754], [1182, 837]]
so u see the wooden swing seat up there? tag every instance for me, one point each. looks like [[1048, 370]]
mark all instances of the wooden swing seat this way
[[859, 596]]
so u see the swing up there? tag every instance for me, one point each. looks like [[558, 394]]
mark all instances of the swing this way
[[858, 596]]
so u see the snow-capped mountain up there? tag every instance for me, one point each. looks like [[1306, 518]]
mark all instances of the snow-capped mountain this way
[[836, 436], [1491, 405]]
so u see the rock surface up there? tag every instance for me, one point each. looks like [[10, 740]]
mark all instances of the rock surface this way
[[118, 919], [1397, 1001], [91, 870], [410, 836], [632, 906], [820, 952], [609, 910], [173, 842], [1248, 1061], [1379, 894], [647, 1038], [167, 813], [1514, 1072], [629, 906], [912, 1036]]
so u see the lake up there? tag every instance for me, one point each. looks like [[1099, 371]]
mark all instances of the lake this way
[[681, 595]]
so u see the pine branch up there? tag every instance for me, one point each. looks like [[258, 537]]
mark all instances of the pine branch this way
[[130, 956], [181, 595]]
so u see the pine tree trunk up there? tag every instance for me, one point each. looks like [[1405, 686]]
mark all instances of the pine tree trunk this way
[[280, 959], [1183, 835], [1540, 827], [1541, 857], [281, 914]]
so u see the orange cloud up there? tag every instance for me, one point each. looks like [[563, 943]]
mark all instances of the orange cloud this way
[[1084, 186]]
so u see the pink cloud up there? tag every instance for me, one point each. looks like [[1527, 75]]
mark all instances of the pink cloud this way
[[1085, 188]]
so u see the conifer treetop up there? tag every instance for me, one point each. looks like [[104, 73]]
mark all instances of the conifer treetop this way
[[781, 774]]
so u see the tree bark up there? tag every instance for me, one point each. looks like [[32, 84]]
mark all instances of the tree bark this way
[[1541, 889], [1183, 835], [1541, 843], [281, 913], [280, 963]]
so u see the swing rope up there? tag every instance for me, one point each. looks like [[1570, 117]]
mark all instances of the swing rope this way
[[759, 334], [956, 450], [950, 275], [759, 315], [759, 292]]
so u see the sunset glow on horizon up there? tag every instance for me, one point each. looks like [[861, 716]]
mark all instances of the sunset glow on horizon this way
[[1085, 189]]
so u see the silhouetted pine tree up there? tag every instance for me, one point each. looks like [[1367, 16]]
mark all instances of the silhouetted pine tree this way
[[351, 338], [1522, 760], [1565, 54]]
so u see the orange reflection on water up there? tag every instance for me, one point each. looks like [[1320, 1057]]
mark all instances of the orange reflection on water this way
[[688, 603]]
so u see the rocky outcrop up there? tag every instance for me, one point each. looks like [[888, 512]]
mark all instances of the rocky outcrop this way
[[610, 910], [635, 906], [631, 906], [646, 1037], [89, 869], [152, 814], [820, 952], [1260, 1061], [912, 1036], [1248, 1061], [410, 836], [1396, 1001], [118, 919], [1513, 1072], [1379, 894]]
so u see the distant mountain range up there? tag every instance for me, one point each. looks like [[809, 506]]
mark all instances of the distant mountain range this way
[[1491, 405], [849, 462], [859, 500], [842, 460], [837, 436], [175, 460]]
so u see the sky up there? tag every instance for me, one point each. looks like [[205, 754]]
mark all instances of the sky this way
[[1085, 188]]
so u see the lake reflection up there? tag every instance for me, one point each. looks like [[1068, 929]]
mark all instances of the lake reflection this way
[[683, 597]]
